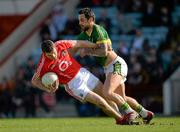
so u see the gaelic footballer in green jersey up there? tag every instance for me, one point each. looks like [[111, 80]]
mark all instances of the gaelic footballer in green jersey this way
[[114, 66]]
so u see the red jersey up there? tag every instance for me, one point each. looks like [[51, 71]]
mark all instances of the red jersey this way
[[65, 66]]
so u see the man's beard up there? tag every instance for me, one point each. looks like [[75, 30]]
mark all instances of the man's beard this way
[[84, 29]]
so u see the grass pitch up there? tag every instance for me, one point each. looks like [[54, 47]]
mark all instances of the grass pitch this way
[[85, 125]]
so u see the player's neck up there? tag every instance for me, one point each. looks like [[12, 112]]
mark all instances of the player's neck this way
[[89, 31]]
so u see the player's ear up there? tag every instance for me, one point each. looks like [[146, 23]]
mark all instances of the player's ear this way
[[90, 19]]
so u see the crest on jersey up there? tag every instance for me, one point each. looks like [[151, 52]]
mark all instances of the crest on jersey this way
[[63, 53]]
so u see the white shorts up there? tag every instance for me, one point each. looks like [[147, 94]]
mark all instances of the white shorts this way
[[81, 84], [118, 66]]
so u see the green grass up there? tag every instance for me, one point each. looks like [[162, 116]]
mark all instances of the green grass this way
[[85, 125]]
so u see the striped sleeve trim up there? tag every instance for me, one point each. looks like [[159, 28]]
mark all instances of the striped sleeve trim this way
[[108, 41], [40, 66]]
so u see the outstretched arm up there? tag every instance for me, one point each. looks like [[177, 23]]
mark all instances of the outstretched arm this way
[[77, 45], [100, 51]]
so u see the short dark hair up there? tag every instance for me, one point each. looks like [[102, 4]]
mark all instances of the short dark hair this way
[[87, 13], [47, 46]]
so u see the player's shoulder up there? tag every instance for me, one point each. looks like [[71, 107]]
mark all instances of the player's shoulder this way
[[58, 42], [99, 30], [61, 42], [43, 59], [42, 62], [64, 44], [99, 27]]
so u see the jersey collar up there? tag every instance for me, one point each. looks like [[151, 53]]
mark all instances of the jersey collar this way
[[89, 34]]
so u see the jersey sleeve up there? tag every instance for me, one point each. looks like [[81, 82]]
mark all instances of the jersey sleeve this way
[[103, 36]]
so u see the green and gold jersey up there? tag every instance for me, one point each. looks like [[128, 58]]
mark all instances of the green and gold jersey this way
[[98, 36]]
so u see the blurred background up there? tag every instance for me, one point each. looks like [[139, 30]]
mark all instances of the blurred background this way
[[145, 33]]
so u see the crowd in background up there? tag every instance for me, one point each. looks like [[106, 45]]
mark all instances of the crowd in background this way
[[149, 64]]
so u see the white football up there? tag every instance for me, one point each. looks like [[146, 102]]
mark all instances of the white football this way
[[49, 78]]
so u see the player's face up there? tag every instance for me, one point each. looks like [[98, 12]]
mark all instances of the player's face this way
[[53, 54], [84, 23]]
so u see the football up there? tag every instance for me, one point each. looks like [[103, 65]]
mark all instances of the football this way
[[49, 78]]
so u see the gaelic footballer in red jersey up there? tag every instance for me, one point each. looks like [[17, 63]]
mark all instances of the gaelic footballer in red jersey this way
[[56, 58], [79, 82]]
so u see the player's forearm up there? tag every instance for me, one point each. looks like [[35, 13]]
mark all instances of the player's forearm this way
[[85, 44], [37, 83], [95, 52], [73, 51], [101, 51]]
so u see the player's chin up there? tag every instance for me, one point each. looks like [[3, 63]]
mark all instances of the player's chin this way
[[82, 28]]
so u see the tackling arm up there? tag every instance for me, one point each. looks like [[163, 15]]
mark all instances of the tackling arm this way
[[84, 44], [101, 51]]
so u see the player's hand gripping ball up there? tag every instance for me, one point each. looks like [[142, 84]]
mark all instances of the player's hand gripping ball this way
[[50, 80]]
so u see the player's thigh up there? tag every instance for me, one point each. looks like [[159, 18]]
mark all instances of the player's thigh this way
[[112, 82], [99, 88]]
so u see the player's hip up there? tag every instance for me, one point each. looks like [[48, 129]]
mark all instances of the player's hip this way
[[117, 66], [110, 57], [80, 85]]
